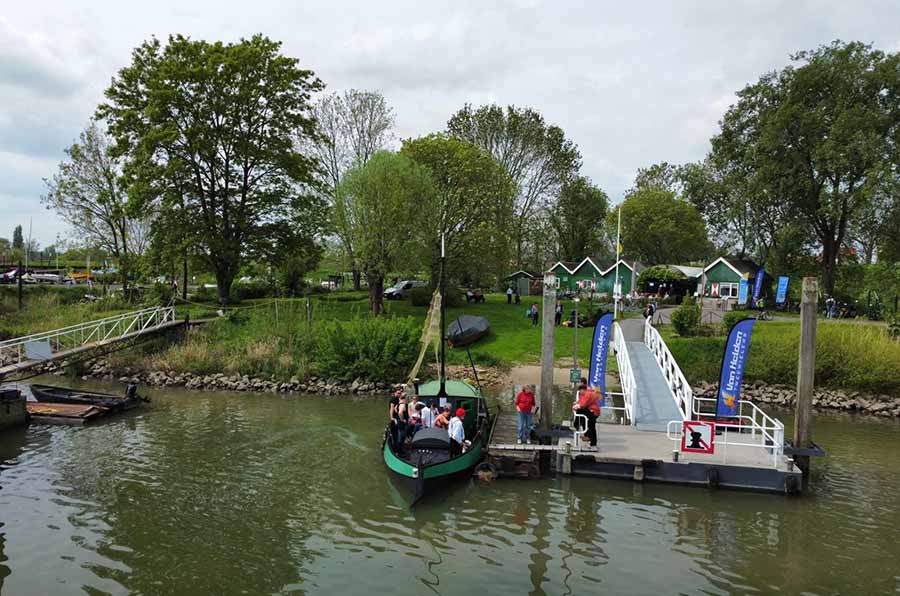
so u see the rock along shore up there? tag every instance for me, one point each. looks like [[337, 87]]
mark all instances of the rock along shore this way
[[824, 399], [100, 369]]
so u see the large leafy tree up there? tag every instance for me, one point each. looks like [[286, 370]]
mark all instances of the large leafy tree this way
[[813, 137], [537, 156], [579, 219], [211, 133], [352, 126], [88, 192], [472, 206], [382, 204], [658, 228]]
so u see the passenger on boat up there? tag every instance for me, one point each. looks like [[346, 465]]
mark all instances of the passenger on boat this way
[[402, 421], [588, 404], [443, 419], [419, 419], [457, 432], [414, 420], [394, 415], [426, 416]]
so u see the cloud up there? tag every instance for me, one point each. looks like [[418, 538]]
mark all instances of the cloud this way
[[631, 83]]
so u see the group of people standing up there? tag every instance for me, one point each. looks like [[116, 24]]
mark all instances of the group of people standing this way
[[408, 417], [587, 403]]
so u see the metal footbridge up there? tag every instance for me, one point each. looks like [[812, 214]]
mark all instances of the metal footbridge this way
[[24, 353]]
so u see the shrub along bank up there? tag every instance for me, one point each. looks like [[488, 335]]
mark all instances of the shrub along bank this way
[[849, 356]]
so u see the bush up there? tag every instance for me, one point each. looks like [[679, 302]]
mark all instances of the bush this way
[[686, 318], [376, 349], [205, 294], [732, 318], [250, 290], [420, 296], [344, 297]]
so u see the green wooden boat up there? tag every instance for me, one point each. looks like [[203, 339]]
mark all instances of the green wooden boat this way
[[425, 464]]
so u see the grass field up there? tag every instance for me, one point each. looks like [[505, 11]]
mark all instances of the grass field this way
[[849, 355]]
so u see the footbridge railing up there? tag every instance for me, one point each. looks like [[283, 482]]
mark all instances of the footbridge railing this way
[[678, 384], [47, 344], [626, 373]]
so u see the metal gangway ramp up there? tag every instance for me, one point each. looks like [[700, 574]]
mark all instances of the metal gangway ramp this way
[[23, 353]]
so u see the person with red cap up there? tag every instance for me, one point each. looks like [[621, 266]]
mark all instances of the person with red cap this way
[[457, 432]]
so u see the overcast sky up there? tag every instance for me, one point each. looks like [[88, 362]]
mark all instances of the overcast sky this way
[[631, 83]]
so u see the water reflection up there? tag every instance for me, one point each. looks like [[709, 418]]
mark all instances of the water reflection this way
[[230, 494]]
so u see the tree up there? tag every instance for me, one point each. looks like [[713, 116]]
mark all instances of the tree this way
[[536, 156], [352, 126], [578, 219], [660, 176], [472, 206], [381, 205], [18, 242], [813, 136], [89, 193], [212, 131], [658, 228]]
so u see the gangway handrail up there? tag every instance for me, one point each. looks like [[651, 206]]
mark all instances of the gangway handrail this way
[[81, 334], [677, 382], [626, 373], [757, 421]]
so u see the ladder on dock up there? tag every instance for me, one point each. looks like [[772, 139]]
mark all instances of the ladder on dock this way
[[23, 353]]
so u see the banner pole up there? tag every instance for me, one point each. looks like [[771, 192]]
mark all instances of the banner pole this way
[[616, 283]]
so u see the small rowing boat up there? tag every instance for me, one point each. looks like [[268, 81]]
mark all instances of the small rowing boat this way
[[48, 394]]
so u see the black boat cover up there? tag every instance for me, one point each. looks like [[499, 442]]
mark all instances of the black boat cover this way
[[431, 438], [467, 329]]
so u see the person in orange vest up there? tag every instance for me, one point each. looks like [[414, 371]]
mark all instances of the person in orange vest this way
[[588, 404]]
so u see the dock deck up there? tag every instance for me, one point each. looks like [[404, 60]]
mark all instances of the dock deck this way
[[627, 452]]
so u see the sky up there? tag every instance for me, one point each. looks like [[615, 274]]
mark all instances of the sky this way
[[631, 83]]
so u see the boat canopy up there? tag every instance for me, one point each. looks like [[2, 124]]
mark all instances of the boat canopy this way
[[454, 389], [431, 438]]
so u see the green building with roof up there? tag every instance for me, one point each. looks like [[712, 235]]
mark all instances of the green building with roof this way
[[596, 274]]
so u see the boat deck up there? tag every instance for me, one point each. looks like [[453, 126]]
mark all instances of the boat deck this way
[[67, 414]]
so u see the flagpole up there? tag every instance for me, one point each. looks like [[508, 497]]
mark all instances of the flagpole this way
[[616, 283]]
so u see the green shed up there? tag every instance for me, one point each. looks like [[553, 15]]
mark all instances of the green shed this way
[[723, 276], [596, 274]]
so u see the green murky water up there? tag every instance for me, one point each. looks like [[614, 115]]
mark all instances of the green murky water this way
[[205, 493]]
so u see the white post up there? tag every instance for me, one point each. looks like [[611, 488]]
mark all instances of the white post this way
[[616, 284]]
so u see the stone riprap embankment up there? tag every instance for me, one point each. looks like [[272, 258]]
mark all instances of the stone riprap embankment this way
[[834, 399]]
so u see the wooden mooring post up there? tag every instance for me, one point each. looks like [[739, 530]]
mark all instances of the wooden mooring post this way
[[806, 369], [547, 332]]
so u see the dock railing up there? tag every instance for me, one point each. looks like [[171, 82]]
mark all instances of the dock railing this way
[[678, 384], [626, 374], [15, 351], [752, 427]]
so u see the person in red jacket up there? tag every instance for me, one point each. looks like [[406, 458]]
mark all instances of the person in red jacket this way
[[525, 407], [588, 404]]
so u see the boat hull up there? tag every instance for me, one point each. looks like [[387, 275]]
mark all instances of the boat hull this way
[[433, 477], [62, 395]]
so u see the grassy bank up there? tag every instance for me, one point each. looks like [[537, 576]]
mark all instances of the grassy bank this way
[[266, 338], [849, 356]]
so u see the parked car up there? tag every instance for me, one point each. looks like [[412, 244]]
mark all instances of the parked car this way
[[401, 289]]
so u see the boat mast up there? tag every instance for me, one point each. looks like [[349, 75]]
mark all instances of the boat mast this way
[[443, 389]]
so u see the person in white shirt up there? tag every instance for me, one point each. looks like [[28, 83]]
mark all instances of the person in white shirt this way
[[457, 432], [427, 416]]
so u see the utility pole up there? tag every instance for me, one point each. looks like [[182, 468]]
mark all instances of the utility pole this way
[[547, 332], [806, 369], [575, 337]]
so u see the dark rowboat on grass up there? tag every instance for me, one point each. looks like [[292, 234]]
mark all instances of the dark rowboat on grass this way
[[108, 401], [467, 329]]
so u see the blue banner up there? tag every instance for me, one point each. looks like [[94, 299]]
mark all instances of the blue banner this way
[[742, 291], [782, 289], [599, 351], [757, 287], [733, 361]]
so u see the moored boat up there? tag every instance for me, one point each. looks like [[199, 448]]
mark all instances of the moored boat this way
[[426, 462], [108, 401]]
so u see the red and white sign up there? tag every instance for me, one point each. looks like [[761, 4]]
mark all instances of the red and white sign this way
[[714, 290], [698, 437]]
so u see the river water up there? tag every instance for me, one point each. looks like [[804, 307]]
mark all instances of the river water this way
[[217, 493]]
